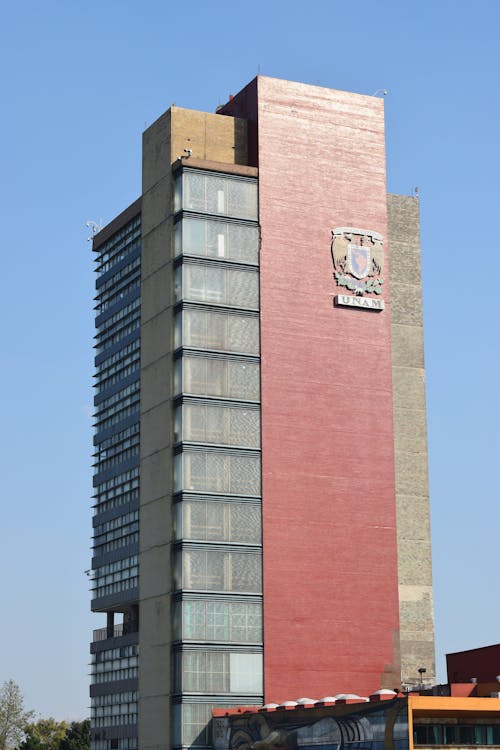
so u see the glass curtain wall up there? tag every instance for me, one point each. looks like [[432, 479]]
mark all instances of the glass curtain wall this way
[[217, 471], [114, 571]]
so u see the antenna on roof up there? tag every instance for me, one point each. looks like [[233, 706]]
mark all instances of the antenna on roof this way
[[95, 227]]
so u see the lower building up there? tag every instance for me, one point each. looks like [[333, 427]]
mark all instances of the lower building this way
[[346, 721], [478, 665], [261, 520]]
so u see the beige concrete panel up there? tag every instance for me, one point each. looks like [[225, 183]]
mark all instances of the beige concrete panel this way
[[155, 618], [156, 475], [155, 672], [156, 523], [157, 337], [405, 263], [410, 440], [420, 654], [157, 204], [156, 293], [156, 382], [407, 345], [414, 566], [209, 136], [155, 577], [411, 474], [156, 248], [413, 519], [226, 141], [404, 217], [188, 132], [156, 429], [158, 680], [417, 615], [154, 722], [408, 385], [155, 152], [410, 430], [406, 304], [416, 594]]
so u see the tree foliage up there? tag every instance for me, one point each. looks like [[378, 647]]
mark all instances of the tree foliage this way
[[44, 734], [18, 731], [13, 717], [48, 734], [77, 736]]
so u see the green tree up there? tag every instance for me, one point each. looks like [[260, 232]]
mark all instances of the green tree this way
[[13, 717], [44, 734], [77, 736]]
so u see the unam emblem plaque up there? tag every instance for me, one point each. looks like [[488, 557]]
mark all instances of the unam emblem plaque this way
[[358, 261]]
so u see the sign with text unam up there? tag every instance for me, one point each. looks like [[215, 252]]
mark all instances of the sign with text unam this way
[[358, 262], [349, 300]]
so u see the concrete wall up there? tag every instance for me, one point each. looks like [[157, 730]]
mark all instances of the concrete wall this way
[[416, 614], [209, 137], [156, 440]]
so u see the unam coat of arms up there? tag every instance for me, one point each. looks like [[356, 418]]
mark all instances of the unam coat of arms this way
[[358, 259]]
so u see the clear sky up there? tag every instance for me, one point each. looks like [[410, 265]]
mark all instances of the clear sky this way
[[81, 80]]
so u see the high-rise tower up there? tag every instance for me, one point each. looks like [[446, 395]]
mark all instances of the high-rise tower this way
[[261, 480]]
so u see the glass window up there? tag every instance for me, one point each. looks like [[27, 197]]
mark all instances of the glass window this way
[[223, 473], [217, 286], [222, 425], [217, 239], [217, 570], [218, 194], [218, 377], [205, 329], [192, 724], [218, 672], [245, 673], [237, 622], [466, 735], [216, 521]]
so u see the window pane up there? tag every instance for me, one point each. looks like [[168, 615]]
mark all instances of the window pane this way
[[213, 520], [222, 621], [242, 199], [222, 332], [222, 425], [243, 243], [196, 725], [217, 570], [219, 472], [495, 730], [245, 673], [218, 286], [218, 239], [450, 734], [435, 734], [218, 377], [194, 236], [220, 195]]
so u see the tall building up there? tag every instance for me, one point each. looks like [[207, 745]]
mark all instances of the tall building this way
[[261, 500]]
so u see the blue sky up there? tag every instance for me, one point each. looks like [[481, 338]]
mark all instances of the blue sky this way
[[81, 81]]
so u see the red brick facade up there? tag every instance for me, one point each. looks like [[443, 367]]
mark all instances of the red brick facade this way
[[329, 525]]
